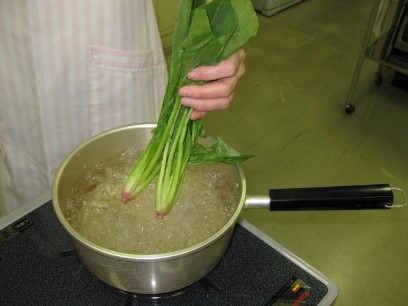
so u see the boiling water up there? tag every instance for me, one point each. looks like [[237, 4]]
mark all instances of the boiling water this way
[[94, 209]]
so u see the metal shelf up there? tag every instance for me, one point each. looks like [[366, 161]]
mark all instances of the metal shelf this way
[[380, 51], [392, 59]]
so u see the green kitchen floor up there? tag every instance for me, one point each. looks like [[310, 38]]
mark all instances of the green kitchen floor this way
[[288, 111]]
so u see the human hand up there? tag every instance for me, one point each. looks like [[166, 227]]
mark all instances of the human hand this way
[[217, 94]]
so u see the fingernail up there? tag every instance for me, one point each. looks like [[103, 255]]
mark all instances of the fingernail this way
[[192, 75], [183, 91], [186, 101]]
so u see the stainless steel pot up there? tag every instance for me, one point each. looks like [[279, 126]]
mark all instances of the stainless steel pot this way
[[159, 273], [145, 274]]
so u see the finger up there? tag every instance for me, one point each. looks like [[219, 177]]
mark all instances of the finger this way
[[224, 69], [195, 115], [217, 89], [206, 105]]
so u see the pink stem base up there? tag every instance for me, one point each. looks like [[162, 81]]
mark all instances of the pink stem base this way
[[160, 216], [126, 198]]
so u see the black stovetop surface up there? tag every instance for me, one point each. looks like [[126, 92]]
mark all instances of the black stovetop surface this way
[[32, 271]]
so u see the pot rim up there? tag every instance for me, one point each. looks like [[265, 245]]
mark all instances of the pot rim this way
[[128, 256]]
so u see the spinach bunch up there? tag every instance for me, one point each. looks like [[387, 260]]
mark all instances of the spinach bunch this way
[[205, 34]]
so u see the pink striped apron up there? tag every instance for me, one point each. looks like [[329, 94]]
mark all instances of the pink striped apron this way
[[70, 69]]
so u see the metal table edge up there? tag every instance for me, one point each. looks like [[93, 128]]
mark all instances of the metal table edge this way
[[25, 209]]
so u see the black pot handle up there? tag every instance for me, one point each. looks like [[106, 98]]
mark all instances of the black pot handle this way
[[379, 196]]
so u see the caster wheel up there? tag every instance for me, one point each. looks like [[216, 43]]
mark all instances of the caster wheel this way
[[378, 79], [349, 109]]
